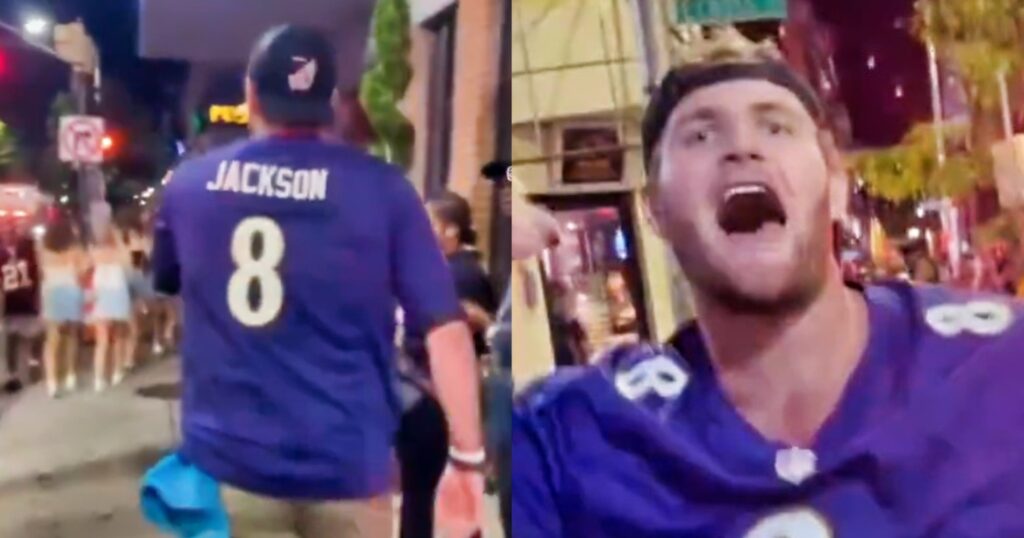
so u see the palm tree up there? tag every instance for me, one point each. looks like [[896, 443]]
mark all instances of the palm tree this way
[[982, 41]]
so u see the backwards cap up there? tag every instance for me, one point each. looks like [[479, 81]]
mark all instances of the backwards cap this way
[[728, 56], [293, 70]]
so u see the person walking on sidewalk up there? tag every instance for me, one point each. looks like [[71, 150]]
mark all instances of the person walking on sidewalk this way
[[112, 307], [19, 274], [62, 263], [290, 252]]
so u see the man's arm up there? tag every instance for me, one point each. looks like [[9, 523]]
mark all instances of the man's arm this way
[[166, 269], [426, 290], [456, 381]]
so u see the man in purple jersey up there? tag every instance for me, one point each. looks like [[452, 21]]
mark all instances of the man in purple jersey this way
[[796, 405], [291, 253]]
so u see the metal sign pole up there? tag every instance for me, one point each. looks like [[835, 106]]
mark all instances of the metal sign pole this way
[[78, 87]]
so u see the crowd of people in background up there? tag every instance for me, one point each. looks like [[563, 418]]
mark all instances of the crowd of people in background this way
[[995, 268], [63, 294]]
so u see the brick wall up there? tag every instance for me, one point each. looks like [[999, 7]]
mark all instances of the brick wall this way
[[476, 81], [475, 90]]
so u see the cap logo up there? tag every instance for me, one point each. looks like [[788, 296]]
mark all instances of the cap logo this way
[[301, 80]]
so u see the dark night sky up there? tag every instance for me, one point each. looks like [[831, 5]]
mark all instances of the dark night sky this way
[[860, 28], [878, 28], [113, 25]]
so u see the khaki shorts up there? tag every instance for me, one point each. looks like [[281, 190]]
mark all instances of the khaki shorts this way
[[254, 516]]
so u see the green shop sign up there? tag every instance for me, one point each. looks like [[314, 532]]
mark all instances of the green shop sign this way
[[728, 11]]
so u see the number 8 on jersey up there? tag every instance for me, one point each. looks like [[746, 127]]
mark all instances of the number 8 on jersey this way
[[262, 269]]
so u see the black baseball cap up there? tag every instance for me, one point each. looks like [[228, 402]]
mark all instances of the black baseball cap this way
[[682, 81], [293, 71]]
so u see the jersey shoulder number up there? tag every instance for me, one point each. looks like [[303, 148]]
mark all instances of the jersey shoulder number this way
[[799, 522], [979, 317]]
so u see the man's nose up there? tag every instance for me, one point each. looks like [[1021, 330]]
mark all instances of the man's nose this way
[[743, 147], [741, 156]]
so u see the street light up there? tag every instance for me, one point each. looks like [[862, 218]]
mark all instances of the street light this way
[[36, 26]]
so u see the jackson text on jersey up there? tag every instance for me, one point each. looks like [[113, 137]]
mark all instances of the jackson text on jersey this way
[[270, 181]]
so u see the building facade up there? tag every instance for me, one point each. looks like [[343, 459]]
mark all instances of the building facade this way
[[579, 71], [458, 103]]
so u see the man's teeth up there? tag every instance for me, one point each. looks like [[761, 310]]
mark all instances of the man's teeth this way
[[744, 189]]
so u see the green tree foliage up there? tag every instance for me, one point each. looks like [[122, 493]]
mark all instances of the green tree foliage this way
[[911, 170], [980, 37], [384, 85], [10, 155]]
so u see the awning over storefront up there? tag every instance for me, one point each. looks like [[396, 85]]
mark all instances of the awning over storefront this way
[[423, 10]]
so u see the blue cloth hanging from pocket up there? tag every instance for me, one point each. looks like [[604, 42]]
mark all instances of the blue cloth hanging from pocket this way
[[179, 498]]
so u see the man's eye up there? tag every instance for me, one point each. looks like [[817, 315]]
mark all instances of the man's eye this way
[[778, 128], [698, 136]]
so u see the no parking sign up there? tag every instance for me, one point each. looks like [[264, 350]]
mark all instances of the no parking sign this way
[[81, 139]]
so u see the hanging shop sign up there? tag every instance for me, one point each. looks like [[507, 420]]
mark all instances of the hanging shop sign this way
[[591, 155], [728, 11]]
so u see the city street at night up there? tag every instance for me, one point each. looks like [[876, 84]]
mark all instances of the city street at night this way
[[252, 263]]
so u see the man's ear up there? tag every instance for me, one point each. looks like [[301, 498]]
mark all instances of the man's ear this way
[[652, 209], [838, 177], [252, 101]]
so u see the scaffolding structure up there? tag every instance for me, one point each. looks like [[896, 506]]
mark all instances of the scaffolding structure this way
[[637, 40]]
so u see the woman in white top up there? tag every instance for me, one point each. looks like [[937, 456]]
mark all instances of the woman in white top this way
[[62, 262], [112, 307]]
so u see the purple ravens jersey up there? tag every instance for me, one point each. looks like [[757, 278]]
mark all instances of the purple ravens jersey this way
[[291, 256], [927, 440]]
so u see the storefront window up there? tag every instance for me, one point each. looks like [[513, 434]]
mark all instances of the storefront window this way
[[440, 93], [592, 283]]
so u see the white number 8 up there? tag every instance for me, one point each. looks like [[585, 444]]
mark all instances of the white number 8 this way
[[983, 318], [262, 269], [797, 523]]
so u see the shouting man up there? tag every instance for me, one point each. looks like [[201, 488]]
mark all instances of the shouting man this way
[[796, 405]]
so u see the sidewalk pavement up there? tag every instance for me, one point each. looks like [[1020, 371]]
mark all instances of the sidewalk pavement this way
[[69, 468]]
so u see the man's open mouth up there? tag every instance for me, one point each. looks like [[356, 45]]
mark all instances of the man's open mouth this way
[[746, 207]]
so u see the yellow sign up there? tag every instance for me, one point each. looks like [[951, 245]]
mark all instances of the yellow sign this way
[[233, 114]]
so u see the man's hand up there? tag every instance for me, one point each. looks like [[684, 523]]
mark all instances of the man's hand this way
[[533, 229], [458, 512], [478, 318]]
